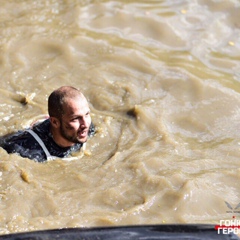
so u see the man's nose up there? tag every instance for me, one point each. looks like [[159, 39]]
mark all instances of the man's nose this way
[[83, 122]]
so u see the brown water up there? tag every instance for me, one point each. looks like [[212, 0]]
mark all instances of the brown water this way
[[162, 78]]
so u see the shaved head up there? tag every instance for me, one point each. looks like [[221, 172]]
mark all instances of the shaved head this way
[[59, 98]]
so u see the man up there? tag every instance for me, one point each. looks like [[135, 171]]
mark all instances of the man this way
[[65, 131]]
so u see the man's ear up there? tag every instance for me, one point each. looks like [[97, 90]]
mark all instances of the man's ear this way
[[55, 122]]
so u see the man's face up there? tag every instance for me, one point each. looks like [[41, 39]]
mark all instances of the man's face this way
[[76, 120]]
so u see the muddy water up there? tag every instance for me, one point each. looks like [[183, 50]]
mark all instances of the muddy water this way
[[162, 79]]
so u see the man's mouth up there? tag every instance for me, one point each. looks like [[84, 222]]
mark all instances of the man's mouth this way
[[83, 133]]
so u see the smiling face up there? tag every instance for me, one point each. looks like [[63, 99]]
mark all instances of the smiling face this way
[[75, 121], [69, 116]]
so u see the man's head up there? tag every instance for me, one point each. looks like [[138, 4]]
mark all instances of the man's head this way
[[69, 115]]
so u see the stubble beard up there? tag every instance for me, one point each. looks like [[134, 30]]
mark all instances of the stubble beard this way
[[71, 138]]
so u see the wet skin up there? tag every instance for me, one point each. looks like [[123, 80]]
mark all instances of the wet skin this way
[[74, 125]]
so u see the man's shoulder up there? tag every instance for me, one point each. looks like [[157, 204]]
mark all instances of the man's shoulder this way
[[22, 143], [42, 126], [20, 136]]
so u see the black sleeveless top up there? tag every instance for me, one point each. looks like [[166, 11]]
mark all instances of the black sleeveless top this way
[[27, 146]]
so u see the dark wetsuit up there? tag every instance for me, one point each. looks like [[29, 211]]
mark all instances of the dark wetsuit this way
[[24, 143]]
